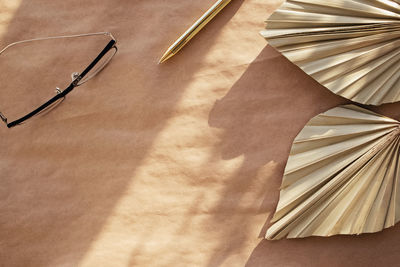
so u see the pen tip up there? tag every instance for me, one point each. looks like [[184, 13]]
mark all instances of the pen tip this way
[[165, 57]]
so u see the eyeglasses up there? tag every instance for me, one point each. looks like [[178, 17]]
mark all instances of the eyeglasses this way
[[78, 79]]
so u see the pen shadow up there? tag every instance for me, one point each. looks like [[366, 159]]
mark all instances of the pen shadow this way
[[64, 173]]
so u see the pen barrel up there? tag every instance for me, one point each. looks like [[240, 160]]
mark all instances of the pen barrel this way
[[198, 25]]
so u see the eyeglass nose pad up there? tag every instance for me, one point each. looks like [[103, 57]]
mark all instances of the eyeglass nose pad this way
[[74, 75], [58, 91]]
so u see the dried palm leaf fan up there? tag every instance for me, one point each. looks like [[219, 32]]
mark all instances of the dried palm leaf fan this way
[[352, 47], [342, 176]]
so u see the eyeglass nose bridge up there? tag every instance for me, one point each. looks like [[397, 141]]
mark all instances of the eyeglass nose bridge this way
[[3, 118], [74, 75], [76, 78]]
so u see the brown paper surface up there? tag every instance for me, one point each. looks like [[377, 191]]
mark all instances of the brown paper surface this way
[[156, 165]]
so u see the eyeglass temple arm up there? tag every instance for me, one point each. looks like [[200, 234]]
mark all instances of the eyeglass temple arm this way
[[57, 37]]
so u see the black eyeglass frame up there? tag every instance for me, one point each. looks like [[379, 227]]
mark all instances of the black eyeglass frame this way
[[62, 93]]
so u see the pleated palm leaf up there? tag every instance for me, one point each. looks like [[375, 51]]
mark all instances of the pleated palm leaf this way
[[342, 176], [352, 47]]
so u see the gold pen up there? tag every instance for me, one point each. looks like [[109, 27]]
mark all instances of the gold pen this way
[[194, 29]]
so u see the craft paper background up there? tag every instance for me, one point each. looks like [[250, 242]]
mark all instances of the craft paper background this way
[[157, 165]]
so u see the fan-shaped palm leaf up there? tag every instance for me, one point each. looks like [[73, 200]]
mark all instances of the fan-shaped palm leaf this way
[[352, 47], [342, 176]]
